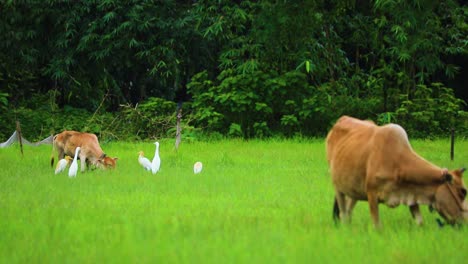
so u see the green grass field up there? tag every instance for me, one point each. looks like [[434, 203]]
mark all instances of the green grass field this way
[[254, 202]]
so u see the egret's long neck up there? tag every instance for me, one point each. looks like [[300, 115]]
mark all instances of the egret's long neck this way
[[76, 154]]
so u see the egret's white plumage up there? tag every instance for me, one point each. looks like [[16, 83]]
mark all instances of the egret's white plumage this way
[[74, 166], [144, 161], [156, 163], [197, 167], [62, 164]]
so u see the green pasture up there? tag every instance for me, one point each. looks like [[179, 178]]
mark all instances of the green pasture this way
[[254, 202]]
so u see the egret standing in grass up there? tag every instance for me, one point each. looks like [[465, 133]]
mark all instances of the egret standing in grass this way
[[144, 161], [197, 167], [74, 166], [62, 164], [156, 163]]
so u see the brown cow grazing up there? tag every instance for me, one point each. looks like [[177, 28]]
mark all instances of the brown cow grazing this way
[[66, 142], [377, 164]]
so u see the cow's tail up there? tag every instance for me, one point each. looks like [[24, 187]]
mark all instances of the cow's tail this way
[[336, 211], [52, 156]]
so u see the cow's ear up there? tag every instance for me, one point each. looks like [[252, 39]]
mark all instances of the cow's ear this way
[[459, 172]]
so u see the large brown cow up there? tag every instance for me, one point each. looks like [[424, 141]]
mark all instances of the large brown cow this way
[[377, 164], [66, 142]]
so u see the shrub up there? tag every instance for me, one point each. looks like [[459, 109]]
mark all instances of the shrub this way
[[150, 119], [433, 111]]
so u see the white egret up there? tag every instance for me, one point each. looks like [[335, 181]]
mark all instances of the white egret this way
[[74, 166], [156, 163], [197, 167], [62, 164], [144, 161]]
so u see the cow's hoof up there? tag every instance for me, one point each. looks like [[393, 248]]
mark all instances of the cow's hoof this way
[[440, 223]]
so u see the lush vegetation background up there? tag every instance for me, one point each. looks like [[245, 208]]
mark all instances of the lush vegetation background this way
[[255, 201], [239, 68]]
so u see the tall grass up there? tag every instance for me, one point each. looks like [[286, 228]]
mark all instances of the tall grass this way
[[254, 202]]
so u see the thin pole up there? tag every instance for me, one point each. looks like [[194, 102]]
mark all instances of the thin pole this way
[[18, 134], [452, 144], [178, 128]]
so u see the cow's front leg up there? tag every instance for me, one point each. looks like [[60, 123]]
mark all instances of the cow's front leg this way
[[374, 208], [83, 162], [416, 213]]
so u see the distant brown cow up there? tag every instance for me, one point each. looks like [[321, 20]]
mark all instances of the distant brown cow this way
[[66, 142], [377, 164]]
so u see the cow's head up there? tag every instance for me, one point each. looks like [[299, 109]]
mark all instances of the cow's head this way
[[107, 162], [450, 198]]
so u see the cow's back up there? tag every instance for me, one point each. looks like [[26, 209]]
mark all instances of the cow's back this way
[[347, 131], [61, 139], [67, 141], [390, 150], [349, 144], [89, 145]]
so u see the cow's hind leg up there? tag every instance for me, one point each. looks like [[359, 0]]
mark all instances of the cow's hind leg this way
[[416, 213], [348, 209], [350, 204], [340, 203], [336, 211]]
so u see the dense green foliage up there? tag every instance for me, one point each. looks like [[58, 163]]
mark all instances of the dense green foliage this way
[[243, 68], [254, 202]]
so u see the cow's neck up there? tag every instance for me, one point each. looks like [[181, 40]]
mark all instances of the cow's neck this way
[[416, 169]]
